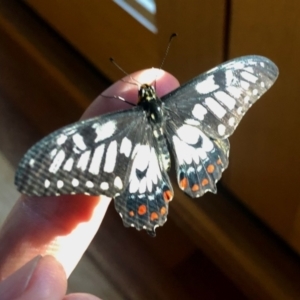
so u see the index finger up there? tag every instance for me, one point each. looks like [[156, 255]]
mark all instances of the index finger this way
[[64, 226]]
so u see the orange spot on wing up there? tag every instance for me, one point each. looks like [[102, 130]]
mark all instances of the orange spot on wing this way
[[219, 161], [210, 168], [204, 182], [168, 195], [131, 213], [195, 188], [163, 210], [183, 183], [153, 216], [142, 209]]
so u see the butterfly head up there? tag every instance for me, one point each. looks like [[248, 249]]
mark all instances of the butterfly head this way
[[147, 93]]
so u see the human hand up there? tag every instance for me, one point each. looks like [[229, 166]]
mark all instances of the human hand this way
[[48, 235]]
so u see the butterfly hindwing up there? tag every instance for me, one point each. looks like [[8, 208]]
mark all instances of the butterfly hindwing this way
[[144, 203], [199, 159], [217, 100], [91, 157]]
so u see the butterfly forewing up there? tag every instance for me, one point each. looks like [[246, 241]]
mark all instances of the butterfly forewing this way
[[92, 157], [216, 101]]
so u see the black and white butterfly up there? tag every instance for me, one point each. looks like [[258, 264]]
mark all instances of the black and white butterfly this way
[[125, 155]]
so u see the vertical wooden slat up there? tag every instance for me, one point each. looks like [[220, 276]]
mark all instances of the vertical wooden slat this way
[[200, 42], [101, 29], [265, 163]]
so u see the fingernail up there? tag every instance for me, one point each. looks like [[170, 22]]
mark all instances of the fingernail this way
[[14, 285]]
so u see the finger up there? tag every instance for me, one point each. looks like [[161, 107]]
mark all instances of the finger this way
[[64, 226], [81, 296], [127, 89], [41, 278]]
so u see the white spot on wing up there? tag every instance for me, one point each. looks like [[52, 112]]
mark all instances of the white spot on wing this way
[[60, 184], [53, 153], [188, 134], [61, 139], [249, 77], [245, 85], [215, 107], [96, 160], [225, 99], [89, 184], [31, 162], [83, 160], [221, 129], [234, 91], [145, 159], [206, 86], [126, 146], [199, 112], [105, 130], [231, 121], [249, 69], [186, 153], [75, 182], [47, 183], [143, 185], [69, 164], [57, 161], [192, 122], [78, 141], [238, 65], [141, 161], [118, 183], [104, 186], [229, 77], [111, 156]]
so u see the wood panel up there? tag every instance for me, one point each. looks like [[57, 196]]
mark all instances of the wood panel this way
[[28, 48], [265, 163], [101, 29]]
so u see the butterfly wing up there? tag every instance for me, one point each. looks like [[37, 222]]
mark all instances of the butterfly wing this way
[[199, 159], [216, 101], [205, 111], [92, 156], [144, 203]]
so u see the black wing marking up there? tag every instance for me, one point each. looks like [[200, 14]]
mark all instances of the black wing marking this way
[[92, 157], [217, 100], [144, 203]]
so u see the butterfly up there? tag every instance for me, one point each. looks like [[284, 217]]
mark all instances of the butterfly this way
[[126, 155]]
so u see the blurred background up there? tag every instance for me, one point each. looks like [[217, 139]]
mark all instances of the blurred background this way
[[242, 243]]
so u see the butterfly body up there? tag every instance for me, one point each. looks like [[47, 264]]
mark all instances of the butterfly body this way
[[125, 155]]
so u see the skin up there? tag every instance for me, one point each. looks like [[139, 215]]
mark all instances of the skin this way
[[40, 232]]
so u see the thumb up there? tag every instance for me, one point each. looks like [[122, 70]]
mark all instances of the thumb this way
[[41, 278]]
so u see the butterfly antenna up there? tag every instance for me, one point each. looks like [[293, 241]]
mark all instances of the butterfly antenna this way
[[119, 98], [173, 35], [167, 50], [123, 71]]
